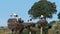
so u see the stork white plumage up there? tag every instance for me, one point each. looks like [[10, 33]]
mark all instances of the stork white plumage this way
[[42, 16], [15, 15]]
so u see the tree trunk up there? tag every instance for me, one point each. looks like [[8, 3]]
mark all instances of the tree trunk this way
[[29, 32], [41, 30]]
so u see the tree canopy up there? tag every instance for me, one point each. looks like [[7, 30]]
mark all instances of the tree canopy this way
[[45, 8], [58, 15]]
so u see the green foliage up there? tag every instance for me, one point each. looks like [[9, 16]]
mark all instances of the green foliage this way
[[26, 31], [45, 8], [43, 0], [55, 25], [58, 15], [52, 22]]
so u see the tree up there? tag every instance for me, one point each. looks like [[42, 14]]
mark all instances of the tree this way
[[58, 15], [52, 22], [42, 7], [56, 25]]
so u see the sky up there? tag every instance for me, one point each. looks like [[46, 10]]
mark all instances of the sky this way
[[20, 7]]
